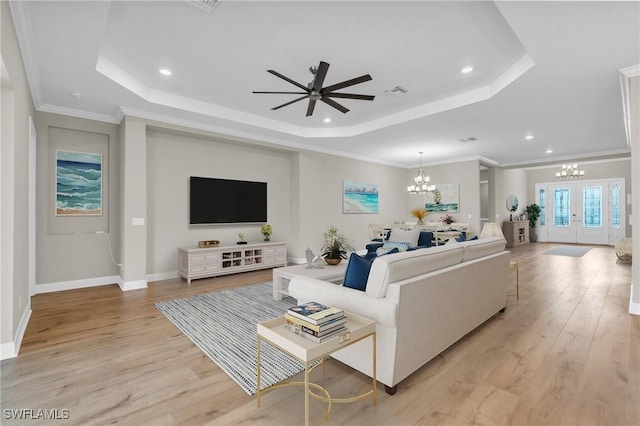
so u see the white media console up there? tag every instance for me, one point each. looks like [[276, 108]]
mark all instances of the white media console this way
[[212, 261]]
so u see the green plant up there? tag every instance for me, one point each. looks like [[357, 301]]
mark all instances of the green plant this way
[[533, 212], [335, 245], [266, 229]]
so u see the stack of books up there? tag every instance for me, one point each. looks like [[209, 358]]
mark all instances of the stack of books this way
[[315, 321]]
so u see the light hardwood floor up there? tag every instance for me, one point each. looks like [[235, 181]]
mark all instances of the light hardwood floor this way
[[566, 353]]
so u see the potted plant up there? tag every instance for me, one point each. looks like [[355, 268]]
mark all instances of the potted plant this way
[[335, 246], [533, 212], [420, 214], [266, 231]]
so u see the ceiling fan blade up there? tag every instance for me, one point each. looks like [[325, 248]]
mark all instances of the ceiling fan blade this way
[[311, 107], [334, 104], [290, 102], [284, 93], [295, 83], [347, 83], [350, 96], [318, 81]]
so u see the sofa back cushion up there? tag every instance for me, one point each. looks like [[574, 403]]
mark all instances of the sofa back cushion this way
[[483, 247], [397, 267]]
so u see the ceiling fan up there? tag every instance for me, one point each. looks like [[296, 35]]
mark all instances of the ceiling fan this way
[[315, 92]]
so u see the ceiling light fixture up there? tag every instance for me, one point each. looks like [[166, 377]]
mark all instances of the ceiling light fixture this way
[[327, 120], [165, 71], [420, 183], [549, 151], [528, 137], [466, 70], [570, 171]]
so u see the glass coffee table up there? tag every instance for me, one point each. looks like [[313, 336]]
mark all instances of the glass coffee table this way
[[309, 353], [330, 273]]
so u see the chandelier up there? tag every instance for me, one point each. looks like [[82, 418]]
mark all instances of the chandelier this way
[[570, 171], [420, 183]]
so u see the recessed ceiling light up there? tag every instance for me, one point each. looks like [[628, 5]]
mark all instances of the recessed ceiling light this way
[[327, 120], [469, 139], [76, 94], [528, 137], [466, 70], [549, 151], [165, 71]]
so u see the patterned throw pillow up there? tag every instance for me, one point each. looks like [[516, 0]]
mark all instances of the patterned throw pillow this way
[[383, 251], [410, 236], [401, 246]]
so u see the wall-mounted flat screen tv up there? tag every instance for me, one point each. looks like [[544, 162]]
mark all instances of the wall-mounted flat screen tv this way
[[226, 201]]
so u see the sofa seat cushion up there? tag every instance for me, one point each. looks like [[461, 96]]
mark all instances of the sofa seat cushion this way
[[397, 267], [474, 249]]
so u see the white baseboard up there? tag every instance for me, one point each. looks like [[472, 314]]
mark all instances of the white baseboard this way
[[11, 349], [131, 285], [634, 308], [160, 276], [70, 285]]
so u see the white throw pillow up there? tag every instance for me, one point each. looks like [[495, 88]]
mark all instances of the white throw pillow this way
[[410, 236], [451, 241]]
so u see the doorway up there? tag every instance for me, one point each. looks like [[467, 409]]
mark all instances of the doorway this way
[[583, 212]]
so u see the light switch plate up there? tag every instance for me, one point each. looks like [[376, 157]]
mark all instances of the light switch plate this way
[[137, 221]]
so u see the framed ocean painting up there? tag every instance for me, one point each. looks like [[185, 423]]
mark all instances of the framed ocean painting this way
[[445, 199], [78, 183], [358, 197]]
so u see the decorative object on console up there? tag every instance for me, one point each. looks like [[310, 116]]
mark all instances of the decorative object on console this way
[[241, 238], [570, 171], [266, 232], [358, 197], [446, 218], [335, 246], [311, 259], [445, 198], [491, 229], [208, 243], [533, 211], [512, 205], [419, 214], [420, 183]]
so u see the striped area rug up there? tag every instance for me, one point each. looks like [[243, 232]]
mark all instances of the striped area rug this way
[[223, 325]]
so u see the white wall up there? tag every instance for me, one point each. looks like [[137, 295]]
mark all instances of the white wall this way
[[172, 158], [514, 182], [14, 189], [68, 248]]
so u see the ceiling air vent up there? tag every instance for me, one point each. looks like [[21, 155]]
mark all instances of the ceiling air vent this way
[[397, 91], [206, 5]]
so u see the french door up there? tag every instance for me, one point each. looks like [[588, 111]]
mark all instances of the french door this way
[[587, 212]]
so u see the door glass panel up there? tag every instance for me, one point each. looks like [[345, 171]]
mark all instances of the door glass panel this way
[[592, 206], [615, 203], [542, 210], [561, 207]]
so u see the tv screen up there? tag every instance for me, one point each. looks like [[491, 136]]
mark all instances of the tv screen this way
[[226, 201]]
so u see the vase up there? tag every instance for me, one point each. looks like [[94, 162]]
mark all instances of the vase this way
[[332, 261], [420, 222], [267, 237]]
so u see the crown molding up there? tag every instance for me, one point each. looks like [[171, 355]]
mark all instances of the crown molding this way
[[22, 23], [55, 109], [626, 74]]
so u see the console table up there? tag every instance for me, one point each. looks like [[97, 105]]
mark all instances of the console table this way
[[516, 232], [213, 261]]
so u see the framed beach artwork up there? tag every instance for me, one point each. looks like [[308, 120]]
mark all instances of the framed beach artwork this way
[[358, 197], [445, 199], [78, 183]]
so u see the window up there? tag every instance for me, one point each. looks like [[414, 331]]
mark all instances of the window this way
[[561, 207], [615, 206], [592, 206], [542, 210]]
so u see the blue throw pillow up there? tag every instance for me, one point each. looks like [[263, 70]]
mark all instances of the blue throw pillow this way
[[357, 272], [474, 238]]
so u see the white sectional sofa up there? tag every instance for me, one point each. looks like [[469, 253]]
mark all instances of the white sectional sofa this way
[[423, 301]]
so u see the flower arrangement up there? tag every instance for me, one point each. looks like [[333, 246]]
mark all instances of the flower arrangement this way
[[266, 231], [419, 214], [446, 218], [335, 245]]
